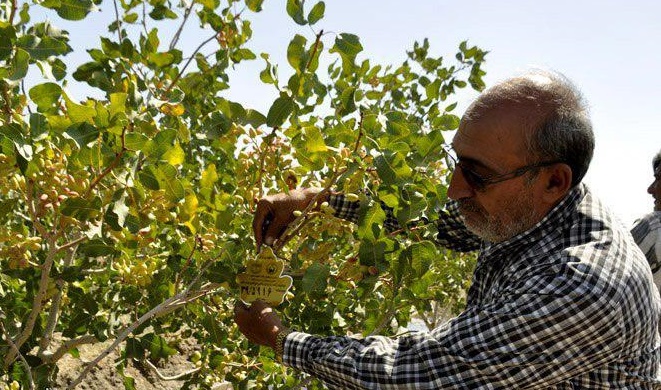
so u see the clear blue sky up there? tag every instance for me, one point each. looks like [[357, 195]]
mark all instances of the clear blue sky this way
[[608, 48]]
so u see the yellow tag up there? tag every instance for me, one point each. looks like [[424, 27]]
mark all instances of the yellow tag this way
[[263, 279]]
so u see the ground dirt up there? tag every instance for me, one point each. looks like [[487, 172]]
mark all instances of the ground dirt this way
[[106, 375]]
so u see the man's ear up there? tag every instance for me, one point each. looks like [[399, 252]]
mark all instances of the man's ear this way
[[558, 182]]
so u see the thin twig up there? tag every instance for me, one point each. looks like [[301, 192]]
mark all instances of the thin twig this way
[[181, 72], [15, 350], [188, 262], [119, 23], [12, 13], [71, 243], [177, 35], [113, 164], [314, 49]]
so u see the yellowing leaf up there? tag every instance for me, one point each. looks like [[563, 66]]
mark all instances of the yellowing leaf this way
[[175, 155], [190, 206], [209, 176], [172, 109]]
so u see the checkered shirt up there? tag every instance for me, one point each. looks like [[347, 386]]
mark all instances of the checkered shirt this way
[[569, 304], [647, 234]]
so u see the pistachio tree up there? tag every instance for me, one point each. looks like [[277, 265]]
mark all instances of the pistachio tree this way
[[125, 218]]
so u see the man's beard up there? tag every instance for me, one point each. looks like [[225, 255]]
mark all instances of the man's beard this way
[[491, 228]]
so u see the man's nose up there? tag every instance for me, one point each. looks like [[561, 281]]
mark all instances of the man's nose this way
[[459, 187]]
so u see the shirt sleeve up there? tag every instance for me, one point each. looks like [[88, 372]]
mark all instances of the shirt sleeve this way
[[525, 340], [647, 234], [452, 233]]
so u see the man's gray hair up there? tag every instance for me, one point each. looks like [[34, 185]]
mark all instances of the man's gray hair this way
[[558, 113]]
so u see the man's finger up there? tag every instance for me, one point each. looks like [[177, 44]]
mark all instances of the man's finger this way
[[263, 213]]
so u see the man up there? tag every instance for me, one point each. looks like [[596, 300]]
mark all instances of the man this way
[[561, 297], [647, 231]]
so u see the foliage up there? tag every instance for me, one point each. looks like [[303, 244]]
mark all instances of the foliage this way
[[127, 217]]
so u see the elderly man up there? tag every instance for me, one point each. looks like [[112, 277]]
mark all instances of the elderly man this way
[[647, 231], [561, 297]]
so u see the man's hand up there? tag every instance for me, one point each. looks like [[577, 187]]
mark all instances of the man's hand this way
[[259, 322], [275, 212]]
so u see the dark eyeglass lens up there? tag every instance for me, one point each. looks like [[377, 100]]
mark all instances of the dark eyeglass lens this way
[[472, 178]]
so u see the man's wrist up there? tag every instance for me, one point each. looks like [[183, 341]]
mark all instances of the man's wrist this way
[[280, 343]]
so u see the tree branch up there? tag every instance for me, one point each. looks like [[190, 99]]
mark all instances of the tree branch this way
[[163, 308], [66, 347], [54, 311]]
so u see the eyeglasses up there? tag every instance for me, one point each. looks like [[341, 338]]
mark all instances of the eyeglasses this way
[[479, 182]]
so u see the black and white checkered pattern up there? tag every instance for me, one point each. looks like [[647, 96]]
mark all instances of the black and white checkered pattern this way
[[647, 234], [569, 304]]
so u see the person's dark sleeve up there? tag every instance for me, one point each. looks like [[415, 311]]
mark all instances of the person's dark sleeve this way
[[452, 233]]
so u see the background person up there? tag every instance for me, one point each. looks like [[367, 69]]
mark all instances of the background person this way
[[647, 231], [560, 297]]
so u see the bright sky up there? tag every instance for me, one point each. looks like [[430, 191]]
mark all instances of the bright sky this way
[[609, 48]]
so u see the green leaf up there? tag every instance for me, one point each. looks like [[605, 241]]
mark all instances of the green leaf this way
[[254, 5], [279, 112], [83, 134], [372, 252], [446, 122], [316, 13], [296, 54], [295, 11], [7, 37], [157, 346], [216, 334], [19, 65], [81, 209], [45, 95], [348, 45], [209, 177], [41, 48], [136, 141], [371, 223], [315, 279], [166, 175], [14, 132], [392, 167], [148, 179], [78, 112], [422, 257], [6, 208], [38, 126], [74, 9], [253, 118]]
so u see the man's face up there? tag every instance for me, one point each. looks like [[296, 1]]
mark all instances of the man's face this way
[[655, 189], [494, 145]]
